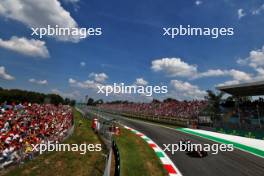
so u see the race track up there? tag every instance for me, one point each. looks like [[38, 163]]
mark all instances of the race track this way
[[235, 163]]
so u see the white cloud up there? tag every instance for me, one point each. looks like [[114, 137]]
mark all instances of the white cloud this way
[[240, 13], [258, 10], [186, 90], [211, 73], [256, 58], [72, 81], [99, 77], [141, 82], [88, 84], [227, 83], [82, 64], [71, 95], [239, 75], [39, 13], [40, 82], [30, 47], [72, 1], [235, 74], [5, 75], [174, 67], [256, 61], [260, 72], [241, 61], [177, 67], [198, 2]]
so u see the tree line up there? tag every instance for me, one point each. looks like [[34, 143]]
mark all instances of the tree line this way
[[21, 96]]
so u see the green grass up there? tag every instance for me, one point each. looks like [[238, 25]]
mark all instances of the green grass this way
[[137, 157], [67, 163]]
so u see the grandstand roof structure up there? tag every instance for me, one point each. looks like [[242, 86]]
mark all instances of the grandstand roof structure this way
[[244, 89]]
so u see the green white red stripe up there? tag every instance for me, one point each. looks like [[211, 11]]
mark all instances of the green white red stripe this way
[[165, 160]]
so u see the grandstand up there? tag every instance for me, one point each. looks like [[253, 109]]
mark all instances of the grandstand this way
[[169, 111], [166, 109], [246, 113], [24, 124]]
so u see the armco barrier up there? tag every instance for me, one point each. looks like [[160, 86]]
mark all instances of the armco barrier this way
[[106, 138], [117, 158]]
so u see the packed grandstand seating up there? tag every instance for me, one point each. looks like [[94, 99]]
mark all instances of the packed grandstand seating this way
[[177, 109], [247, 112], [23, 125], [251, 113]]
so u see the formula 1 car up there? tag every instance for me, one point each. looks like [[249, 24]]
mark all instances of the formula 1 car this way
[[191, 151], [197, 153]]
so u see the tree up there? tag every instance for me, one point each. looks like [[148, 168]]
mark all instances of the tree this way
[[214, 101], [67, 101], [22, 96], [168, 100], [245, 99], [229, 102], [155, 101], [73, 102], [100, 101], [55, 99], [90, 102]]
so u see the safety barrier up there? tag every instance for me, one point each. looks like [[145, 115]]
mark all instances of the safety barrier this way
[[102, 129], [117, 158]]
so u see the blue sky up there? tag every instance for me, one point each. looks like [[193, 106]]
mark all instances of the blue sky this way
[[131, 42]]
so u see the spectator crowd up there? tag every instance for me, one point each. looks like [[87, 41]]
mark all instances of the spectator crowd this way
[[23, 125], [170, 109]]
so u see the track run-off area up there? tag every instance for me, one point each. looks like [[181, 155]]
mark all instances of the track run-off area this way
[[235, 163]]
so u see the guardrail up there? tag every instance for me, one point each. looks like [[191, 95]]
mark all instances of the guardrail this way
[[106, 136], [117, 158]]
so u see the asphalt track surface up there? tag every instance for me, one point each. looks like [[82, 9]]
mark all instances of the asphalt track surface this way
[[235, 163]]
